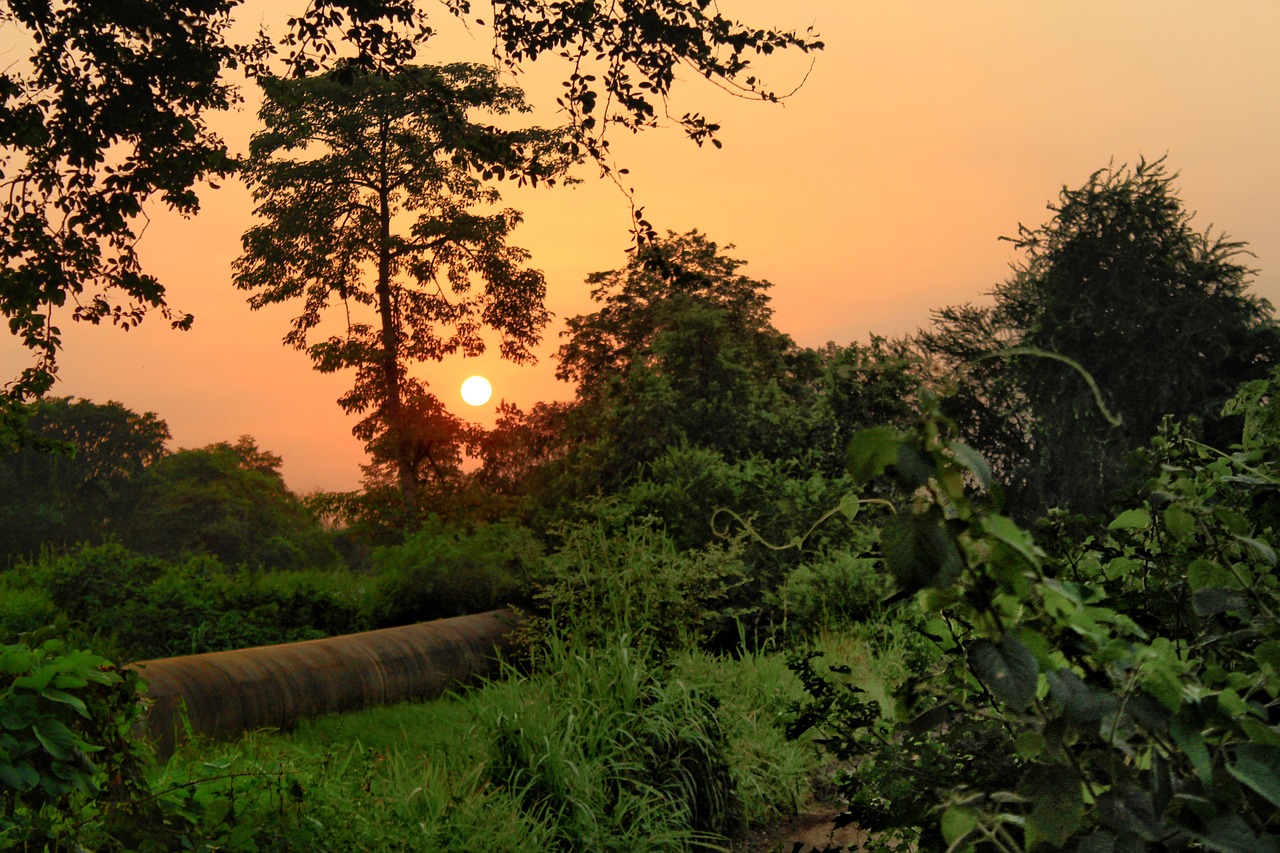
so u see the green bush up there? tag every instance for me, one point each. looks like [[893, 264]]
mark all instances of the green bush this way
[[1120, 697], [613, 753], [601, 584], [73, 776], [23, 609], [139, 607], [443, 571], [837, 587]]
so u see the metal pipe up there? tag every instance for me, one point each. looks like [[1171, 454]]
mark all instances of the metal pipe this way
[[225, 694]]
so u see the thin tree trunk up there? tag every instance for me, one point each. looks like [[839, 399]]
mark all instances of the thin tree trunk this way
[[390, 346]]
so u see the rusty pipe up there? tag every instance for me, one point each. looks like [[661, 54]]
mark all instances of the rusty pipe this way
[[225, 694]]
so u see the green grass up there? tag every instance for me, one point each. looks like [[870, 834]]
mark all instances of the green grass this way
[[601, 749]]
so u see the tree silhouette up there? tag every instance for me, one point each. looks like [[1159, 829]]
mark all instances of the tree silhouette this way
[[103, 109], [372, 195]]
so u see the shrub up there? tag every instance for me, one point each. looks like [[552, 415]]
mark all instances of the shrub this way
[[74, 777], [601, 584], [836, 587], [443, 571]]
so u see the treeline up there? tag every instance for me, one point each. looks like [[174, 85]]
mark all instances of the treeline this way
[[1110, 682], [694, 419]]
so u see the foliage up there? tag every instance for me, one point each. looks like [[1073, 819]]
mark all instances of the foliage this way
[[853, 387], [141, 607], [1119, 282], [228, 501], [604, 580], [634, 744], [442, 571], [372, 193], [1093, 724], [137, 81], [681, 351], [72, 772], [75, 492], [614, 753], [103, 112]]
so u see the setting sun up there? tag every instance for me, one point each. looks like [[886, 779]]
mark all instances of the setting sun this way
[[476, 390]]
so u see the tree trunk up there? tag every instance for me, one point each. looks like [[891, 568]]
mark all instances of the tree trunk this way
[[391, 346]]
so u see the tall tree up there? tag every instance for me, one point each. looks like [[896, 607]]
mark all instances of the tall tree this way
[[1158, 312], [682, 350], [103, 108], [373, 198]]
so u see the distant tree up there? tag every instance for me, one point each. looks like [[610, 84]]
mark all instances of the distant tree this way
[[853, 387], [74, 495], [681, 350], [1157, 312], [228, 501], [374, 204], [103, 108]]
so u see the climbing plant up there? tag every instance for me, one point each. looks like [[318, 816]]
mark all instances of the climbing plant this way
[[1122, 696]]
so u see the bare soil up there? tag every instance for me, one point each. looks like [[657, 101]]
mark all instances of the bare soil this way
[[813, 832]]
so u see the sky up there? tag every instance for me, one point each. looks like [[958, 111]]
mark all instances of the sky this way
[[873, 196]]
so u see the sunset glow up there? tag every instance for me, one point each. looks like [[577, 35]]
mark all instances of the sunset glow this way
[[476, 391], [872, 197]]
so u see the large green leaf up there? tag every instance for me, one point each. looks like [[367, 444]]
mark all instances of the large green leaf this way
[[1057, 799], [871, 451], [973, 461], [1131, 519], [1258, 767], [919, 551], [56, 738], [19, 777], [1007, 668]]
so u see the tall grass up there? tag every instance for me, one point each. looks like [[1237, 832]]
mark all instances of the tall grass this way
[[612, 751], [601, 748]]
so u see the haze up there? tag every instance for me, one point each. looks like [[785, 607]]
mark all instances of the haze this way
[[876, 194]]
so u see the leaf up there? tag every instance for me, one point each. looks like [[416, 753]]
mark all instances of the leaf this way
[[67, 699], [871, 451], [919, 552], [1058, 804], [1007, 531], [1131, 519], [20, 777], [1228, 834], [1204, 572], [957, 823], [1180, 523], [1007, 669], [55, 737], [1082, 705], [1258, 767], [973, 461], [1260, 549], [849, 506], [913, 468]]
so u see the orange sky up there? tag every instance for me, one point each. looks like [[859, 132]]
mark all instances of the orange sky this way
[[876, 194]]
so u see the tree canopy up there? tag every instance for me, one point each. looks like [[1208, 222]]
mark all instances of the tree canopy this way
[[372, 197], [106, 108], [1157, 312], [74, 495]]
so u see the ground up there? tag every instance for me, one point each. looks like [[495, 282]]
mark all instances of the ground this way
[[813, 832]]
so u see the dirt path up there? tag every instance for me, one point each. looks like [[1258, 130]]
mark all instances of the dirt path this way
[[814, 832]]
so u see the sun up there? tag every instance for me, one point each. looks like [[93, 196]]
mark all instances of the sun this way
[[477, 390]]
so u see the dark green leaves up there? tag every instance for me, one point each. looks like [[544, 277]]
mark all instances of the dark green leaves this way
[[1007, 669], [920, 551], [871, 451]]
